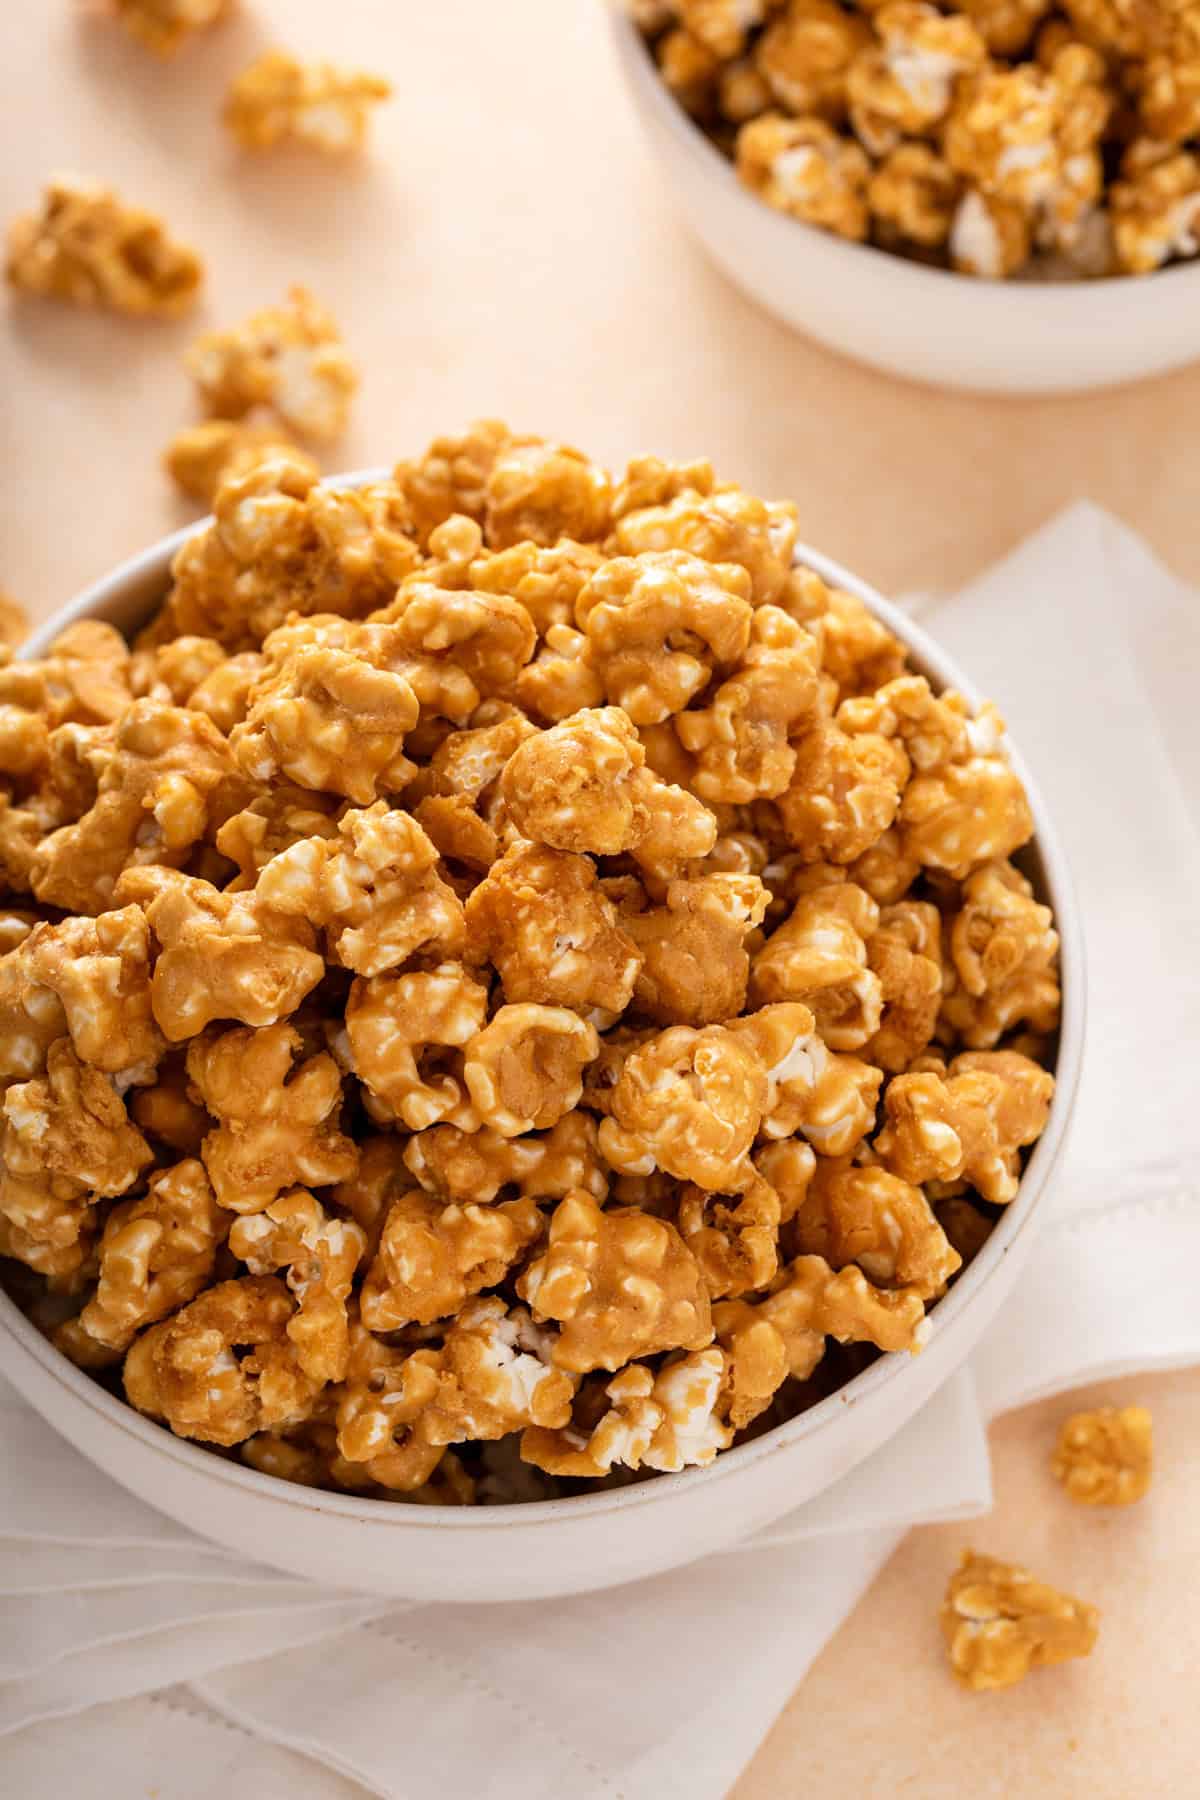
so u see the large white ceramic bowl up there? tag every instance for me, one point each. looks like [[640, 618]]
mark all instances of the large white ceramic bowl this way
[[925, 324], [593, 1541]]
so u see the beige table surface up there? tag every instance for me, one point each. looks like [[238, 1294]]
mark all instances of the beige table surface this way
[[507, 249]]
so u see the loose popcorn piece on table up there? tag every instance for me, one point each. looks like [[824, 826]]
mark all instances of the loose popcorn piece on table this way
[[89, 247], [1104, 1458], [279, 98], [276, 1126], [289, 358], [999, 1622], [500, 904], [163, 25]]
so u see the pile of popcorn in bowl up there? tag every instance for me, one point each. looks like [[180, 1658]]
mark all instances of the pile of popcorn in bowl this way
[[511, 983], [993, 137]]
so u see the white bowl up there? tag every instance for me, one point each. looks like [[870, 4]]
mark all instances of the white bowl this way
[[922, 323], [592, 1541]]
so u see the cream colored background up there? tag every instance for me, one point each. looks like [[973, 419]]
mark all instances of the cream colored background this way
[[506, 249]]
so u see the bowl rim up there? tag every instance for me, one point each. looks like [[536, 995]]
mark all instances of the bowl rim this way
[[131, 579], [1104, 294]]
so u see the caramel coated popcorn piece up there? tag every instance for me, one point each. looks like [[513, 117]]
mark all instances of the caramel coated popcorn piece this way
[[689, 1102], [1006, 26], [1003, 950], [276, 1125], [543, 921], [971, 1124], [432, 1256], [819, 956], [734, 1241], [524, 1071], [905, 954], [156, 1252], [89, 247], [857, 649], [279, 98], [374, 888], [282, 544], [805, 55], [221, 955], [636, 607], [620, 1284], [486, 637], [452, 476], [666, 1421], [740, 745], [692, 949], [829, 1098], [66, 1142], [999, 1622], [289, 358], [966, 813], [1104, 1458], [402, 1030], [913, 195], [163, 25], [584, 786], [185, 1370], [721, 524], [543, 492], [1156, 210], [99, 971], [320, 1254], [885, 1225], [160, 780], [478, 1165], [495, 1376], [905, 87], [844, 794], [330, 711], [806, 168], [200, 457]]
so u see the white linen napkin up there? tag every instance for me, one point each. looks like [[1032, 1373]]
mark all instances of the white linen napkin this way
[[1086, 642]]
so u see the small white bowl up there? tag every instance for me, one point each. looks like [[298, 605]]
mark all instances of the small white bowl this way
[[591, 1541], [924, 324]]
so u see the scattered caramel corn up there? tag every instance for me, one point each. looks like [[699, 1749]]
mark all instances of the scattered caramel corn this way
[[163, 25], [1104, 1458], [999, 1623], [287, 358], [88, 247], [278, 98]]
